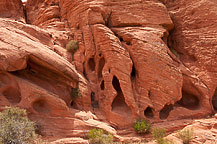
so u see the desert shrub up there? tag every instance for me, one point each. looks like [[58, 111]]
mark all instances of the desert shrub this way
[[98, 136], [186, 135], [158, 134], [142, 126], [75, 93], [15, 127], [164, 141], [72, 46]]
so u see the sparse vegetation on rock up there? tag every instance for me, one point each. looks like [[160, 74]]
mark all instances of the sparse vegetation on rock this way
[[72, 46], [15, 127], [75, 93], [99, 136], [186, 135], [142, 126], [158, 134]]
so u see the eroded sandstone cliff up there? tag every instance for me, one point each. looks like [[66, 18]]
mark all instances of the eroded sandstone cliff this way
[[143, 58]]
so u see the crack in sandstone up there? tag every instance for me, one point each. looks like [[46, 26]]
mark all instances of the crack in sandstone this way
[[25, 14]]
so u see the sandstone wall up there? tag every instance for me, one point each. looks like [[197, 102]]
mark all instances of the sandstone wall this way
[[141, 58], [12, 9], [194, 39]]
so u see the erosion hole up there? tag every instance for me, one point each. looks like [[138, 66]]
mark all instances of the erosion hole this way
[[121, 39], [116, 84], [148, 112], [41, 106], [95, 104], [91, 64], [84, 73], [102, 86], [118, 105], [92, 96], [149, 94], [72, 103], [128, 43], [100, 68], [12, 95], [164, 113], [133, 73], [189, 101], [214, 100]]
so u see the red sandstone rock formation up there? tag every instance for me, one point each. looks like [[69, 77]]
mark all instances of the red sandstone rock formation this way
[[194, 39], [136, 59], [12, 9], [204, 132]]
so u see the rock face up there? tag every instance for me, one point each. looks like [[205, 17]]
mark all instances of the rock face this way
[[136, 59], [194, 39], [12, 9], [44, 13], [204, 131]]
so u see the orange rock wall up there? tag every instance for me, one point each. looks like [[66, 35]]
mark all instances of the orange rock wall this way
[[12, 9], [141, 58]]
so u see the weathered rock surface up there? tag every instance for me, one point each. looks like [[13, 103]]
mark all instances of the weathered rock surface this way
[[12, 9], [33, 76], [194, 39], [44, 13], [136, 59], [204, 132], [70, 141]]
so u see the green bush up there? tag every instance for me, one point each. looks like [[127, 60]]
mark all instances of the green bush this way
[[15, 127], [142, 126], [72, 46], [158, 134], [75, 93], [186, 135], [98, 136]]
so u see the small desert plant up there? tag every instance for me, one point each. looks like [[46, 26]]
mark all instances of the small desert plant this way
[[75, 93], [15, 127], [186, 135], [142, 126], [164, 141], [72, 46], [159, 134], [98, 136]]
